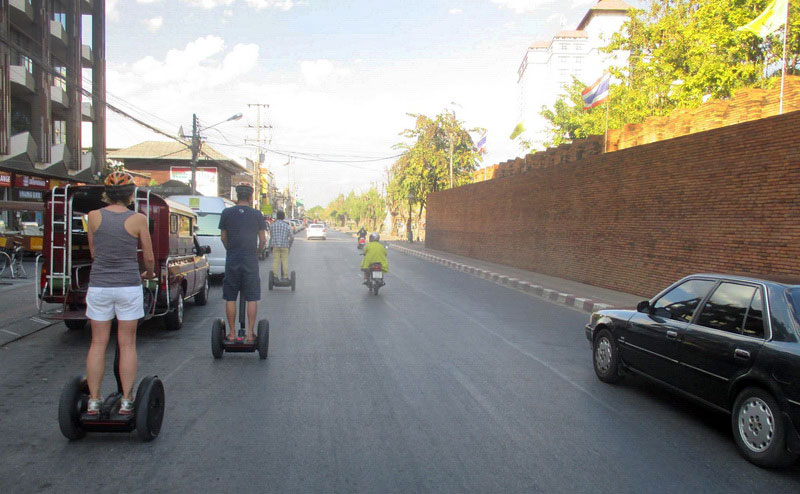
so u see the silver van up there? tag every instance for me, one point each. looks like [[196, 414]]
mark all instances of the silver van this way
[[208, 210]]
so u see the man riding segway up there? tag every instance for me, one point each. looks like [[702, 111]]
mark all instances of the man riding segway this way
[[243, 231]]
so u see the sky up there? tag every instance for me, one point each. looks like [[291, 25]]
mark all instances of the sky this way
[[340, 76]]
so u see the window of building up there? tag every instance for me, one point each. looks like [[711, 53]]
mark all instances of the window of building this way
[[727, 307], [21, 116], [579, 47], [563, 60], [59, 132], [564, 46], [578, 60]]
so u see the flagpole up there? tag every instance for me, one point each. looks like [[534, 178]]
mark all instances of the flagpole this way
[[605, 140], [783, 60]]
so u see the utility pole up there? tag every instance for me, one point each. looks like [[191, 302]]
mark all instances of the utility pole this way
[[260, 145], [195, 151]]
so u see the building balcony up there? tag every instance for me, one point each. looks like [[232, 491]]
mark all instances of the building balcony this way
[[21, 81], [86, 56], [22, 149], [87, 111], [58, 35], [58, 98], [21, 13]]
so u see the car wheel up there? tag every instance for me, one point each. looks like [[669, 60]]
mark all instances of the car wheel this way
[[759, 429], [605, 357], [174, 318], [201, 298]]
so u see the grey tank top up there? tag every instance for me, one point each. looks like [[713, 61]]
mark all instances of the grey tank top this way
[[116, 261]]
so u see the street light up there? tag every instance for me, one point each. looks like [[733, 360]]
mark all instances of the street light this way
[[196, 143]]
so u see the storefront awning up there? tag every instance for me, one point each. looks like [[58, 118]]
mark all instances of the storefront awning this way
[[21, 206]]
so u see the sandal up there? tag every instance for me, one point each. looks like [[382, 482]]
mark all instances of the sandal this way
[[93, 408], [126, 407]]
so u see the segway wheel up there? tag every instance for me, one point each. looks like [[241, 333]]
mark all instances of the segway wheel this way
[[72, 404], [293, 280], [217, 336], [263, 338], [149, 408], [271, 281]]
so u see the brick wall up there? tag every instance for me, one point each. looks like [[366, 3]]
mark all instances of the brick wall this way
[[723, 200]]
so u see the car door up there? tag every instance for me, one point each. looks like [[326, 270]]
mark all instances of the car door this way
[[723, 340], [649, 343]]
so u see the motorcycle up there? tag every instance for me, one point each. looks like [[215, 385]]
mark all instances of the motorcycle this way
[[375, 277], [362, 241]]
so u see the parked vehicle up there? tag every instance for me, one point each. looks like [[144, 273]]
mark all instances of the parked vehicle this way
[[731, 342], [375, 278], [316, 230], [181, 266]]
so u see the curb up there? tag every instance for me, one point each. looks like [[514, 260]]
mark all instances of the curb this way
[[554, 296]]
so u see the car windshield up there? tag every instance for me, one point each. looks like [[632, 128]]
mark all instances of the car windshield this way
[[793, 294], [208, 224]]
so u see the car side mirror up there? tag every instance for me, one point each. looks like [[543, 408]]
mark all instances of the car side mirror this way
[[643, 306], [206, 249], [196, 228]]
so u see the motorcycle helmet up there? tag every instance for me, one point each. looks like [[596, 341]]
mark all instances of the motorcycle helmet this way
[[374, 237]]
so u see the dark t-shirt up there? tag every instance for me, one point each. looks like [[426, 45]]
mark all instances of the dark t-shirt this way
[[242, 224]]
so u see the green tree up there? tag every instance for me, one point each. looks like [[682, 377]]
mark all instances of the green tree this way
[[682, 52], [424, 166]]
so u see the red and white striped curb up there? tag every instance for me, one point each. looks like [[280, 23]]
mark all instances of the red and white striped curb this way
[[584, 304]]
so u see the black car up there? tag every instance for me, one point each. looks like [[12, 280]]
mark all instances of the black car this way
[[731, 342]]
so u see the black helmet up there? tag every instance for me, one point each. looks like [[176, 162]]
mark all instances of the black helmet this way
[[374, 237]]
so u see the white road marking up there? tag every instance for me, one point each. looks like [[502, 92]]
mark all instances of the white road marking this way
[[10, 332]]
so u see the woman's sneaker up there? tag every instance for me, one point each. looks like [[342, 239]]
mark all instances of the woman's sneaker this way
[[126, 407], [94, 407]]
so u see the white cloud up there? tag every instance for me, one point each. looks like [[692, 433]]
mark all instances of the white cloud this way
[[276, 4], [154, 24], [456, 11], [521, 6], [319, 72], [209, 4], [111, 10], [148, 1]]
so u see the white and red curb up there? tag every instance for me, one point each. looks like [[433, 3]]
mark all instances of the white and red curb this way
[[567, 299]]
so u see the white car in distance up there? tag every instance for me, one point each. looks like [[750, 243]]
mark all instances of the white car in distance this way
[[316, 230]]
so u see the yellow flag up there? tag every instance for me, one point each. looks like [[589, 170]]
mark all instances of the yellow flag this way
[[769, 21]]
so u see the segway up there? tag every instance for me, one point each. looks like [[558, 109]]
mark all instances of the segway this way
[[220, 344], [281, 281], [146, 418]]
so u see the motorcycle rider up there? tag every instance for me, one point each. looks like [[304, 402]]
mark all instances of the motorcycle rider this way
[[362, 233], [374, 252]]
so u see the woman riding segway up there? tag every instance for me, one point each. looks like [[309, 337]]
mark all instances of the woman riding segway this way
[[115, 286]]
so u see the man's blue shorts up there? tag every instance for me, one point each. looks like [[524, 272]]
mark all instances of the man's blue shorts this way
[[241, 275]]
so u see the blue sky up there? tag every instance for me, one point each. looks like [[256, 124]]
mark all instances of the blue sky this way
[[339, 75]]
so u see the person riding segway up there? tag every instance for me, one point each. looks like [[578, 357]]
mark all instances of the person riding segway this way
[[115, 234], [281, 240], [243, 233]]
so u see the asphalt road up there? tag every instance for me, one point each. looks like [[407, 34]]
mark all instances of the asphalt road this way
[[442, 383]]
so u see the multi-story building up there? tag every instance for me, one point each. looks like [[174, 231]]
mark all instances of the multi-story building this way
[[550, 65], [52, 86]]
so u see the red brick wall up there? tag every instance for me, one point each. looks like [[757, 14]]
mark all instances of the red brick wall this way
[[634, 220]]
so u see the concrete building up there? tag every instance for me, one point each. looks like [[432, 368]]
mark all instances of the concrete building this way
[[51, 51], [550, 65], [163, 161]]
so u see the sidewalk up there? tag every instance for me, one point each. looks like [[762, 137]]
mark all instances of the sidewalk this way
[[570, 293], [18, 312]]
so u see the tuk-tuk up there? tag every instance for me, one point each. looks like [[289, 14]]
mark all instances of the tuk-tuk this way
[[180, 263]]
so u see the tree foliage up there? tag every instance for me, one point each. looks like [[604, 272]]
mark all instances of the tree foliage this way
[[367, 209], [424, 166], [682, 52]]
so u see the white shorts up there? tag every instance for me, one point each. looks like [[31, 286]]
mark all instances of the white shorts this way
[[126, 302]]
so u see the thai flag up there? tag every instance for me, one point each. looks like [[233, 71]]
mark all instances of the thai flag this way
[[597, 93], [481, 146]]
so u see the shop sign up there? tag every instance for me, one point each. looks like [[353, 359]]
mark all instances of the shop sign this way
[[29, 195], [5, 179], [206, 178], [28, 182]]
